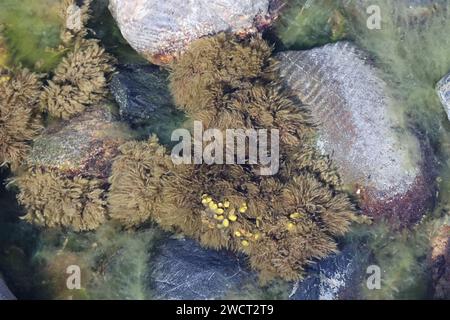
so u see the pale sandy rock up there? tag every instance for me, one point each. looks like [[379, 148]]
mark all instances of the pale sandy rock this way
[[360, 128], [160, 29]]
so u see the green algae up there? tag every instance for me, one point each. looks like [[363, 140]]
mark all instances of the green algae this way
[[113, 264], [310, 23], [106, 29], [400, 257], [411, 50], [32, 29]]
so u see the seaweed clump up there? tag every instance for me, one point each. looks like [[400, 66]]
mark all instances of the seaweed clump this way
[[81, 79], [136, 176], [76, 197], [19, 120], [282, 222], [226, 83], [52, 200]]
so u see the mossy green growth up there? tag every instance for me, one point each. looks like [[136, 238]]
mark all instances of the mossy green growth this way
[[32, 32], [412, 49], [403, 276], [412, 52], [403, 258], [306, 24], [114, 264]]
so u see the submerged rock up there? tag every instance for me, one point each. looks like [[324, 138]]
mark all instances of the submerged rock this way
[[359, 127], [337, 277], [5, 293], [160, 29], [439, 260], [443, 89], [140, 90], [84, 145], [145, 101], [184, 270]]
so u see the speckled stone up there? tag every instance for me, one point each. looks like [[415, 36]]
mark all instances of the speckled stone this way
[[83, 145], [443, 90], [160, 29], [181, 269], [359, 127]]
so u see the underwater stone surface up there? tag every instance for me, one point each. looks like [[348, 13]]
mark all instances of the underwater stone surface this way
[[334, 278], [160, 29], [5, 294], [145, 101], [84, 145], [443, 89], [184, 270], [439, 261], [359, 128], [140, 90]]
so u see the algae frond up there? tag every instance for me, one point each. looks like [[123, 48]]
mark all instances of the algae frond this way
[[52, 200], [80, 80], [19, 121]]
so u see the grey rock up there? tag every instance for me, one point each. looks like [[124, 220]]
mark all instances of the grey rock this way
[[159, 29], [5, 293], [145, 101], [337, 277], [184, 270], [84, 145], [360, 128], [443, 89], [140, 90]]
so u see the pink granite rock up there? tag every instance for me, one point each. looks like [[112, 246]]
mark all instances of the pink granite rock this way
[[160, 29]]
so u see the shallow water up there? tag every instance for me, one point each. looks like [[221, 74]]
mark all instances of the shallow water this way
[[417, 57]]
